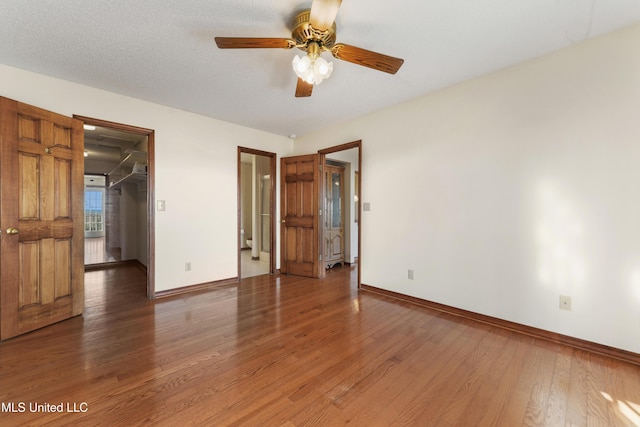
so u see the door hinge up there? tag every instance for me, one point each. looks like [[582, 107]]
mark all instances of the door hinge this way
[[320, 212], [320, 257]]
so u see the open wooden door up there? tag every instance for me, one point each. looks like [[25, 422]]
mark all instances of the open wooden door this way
[[41, 219], [299, 194]]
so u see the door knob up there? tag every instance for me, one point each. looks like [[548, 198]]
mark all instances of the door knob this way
[[12, 230]]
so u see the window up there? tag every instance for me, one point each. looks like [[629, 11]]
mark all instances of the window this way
[[94, 212]]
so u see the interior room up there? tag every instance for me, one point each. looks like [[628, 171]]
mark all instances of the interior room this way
[[256, 207], [475, 262], [115, 168], [340, 208]]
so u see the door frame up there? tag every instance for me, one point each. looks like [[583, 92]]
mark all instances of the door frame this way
[[150, 134], [323, 159], [272, 207]]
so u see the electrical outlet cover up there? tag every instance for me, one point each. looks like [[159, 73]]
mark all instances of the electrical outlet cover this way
[[565, 302]]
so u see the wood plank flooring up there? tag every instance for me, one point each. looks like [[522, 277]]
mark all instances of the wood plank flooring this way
[[96, 251], [289, 351]]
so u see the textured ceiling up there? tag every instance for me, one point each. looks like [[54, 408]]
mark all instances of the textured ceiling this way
[[164, 52]]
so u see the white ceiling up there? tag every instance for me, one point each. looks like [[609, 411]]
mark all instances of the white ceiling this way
[[164, 52]]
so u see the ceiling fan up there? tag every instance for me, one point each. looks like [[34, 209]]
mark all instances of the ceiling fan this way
[[314, 31]]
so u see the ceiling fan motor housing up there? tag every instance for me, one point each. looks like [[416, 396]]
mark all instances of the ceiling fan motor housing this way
[[303, 33]]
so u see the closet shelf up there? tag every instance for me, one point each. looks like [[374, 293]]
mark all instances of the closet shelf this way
[[132, 169]]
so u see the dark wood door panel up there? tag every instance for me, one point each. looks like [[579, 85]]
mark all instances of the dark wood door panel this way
[[300, 218], [42, 268]]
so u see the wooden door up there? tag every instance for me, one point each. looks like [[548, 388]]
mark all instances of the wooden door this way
[[41, 219], [300, 180], [334, 216]]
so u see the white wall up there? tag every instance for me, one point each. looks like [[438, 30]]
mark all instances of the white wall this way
[[504, 192], [129, 208], [196, 171], [501, 193], [141, 228]]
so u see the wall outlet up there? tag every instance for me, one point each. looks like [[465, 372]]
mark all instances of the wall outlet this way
[[187, 266], [565, 303], [410, 274]]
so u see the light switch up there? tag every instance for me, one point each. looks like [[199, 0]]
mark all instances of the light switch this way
[[161, 205], [366, 206]]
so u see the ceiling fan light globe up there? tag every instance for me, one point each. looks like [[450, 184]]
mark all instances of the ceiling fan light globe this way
[[323, 68], [301, 65], [312, 71], [308, 76]]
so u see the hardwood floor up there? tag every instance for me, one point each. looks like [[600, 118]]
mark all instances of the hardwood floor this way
[[289, 351], [96, 251]]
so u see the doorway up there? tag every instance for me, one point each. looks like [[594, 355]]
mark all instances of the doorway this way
[[303, 193], [341, 239], [336, 175], [119, 161], [256, 212]]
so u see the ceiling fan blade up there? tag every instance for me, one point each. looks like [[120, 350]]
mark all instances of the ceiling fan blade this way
[[303, 89], [253, 43], [374, 60], [323, 13]]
